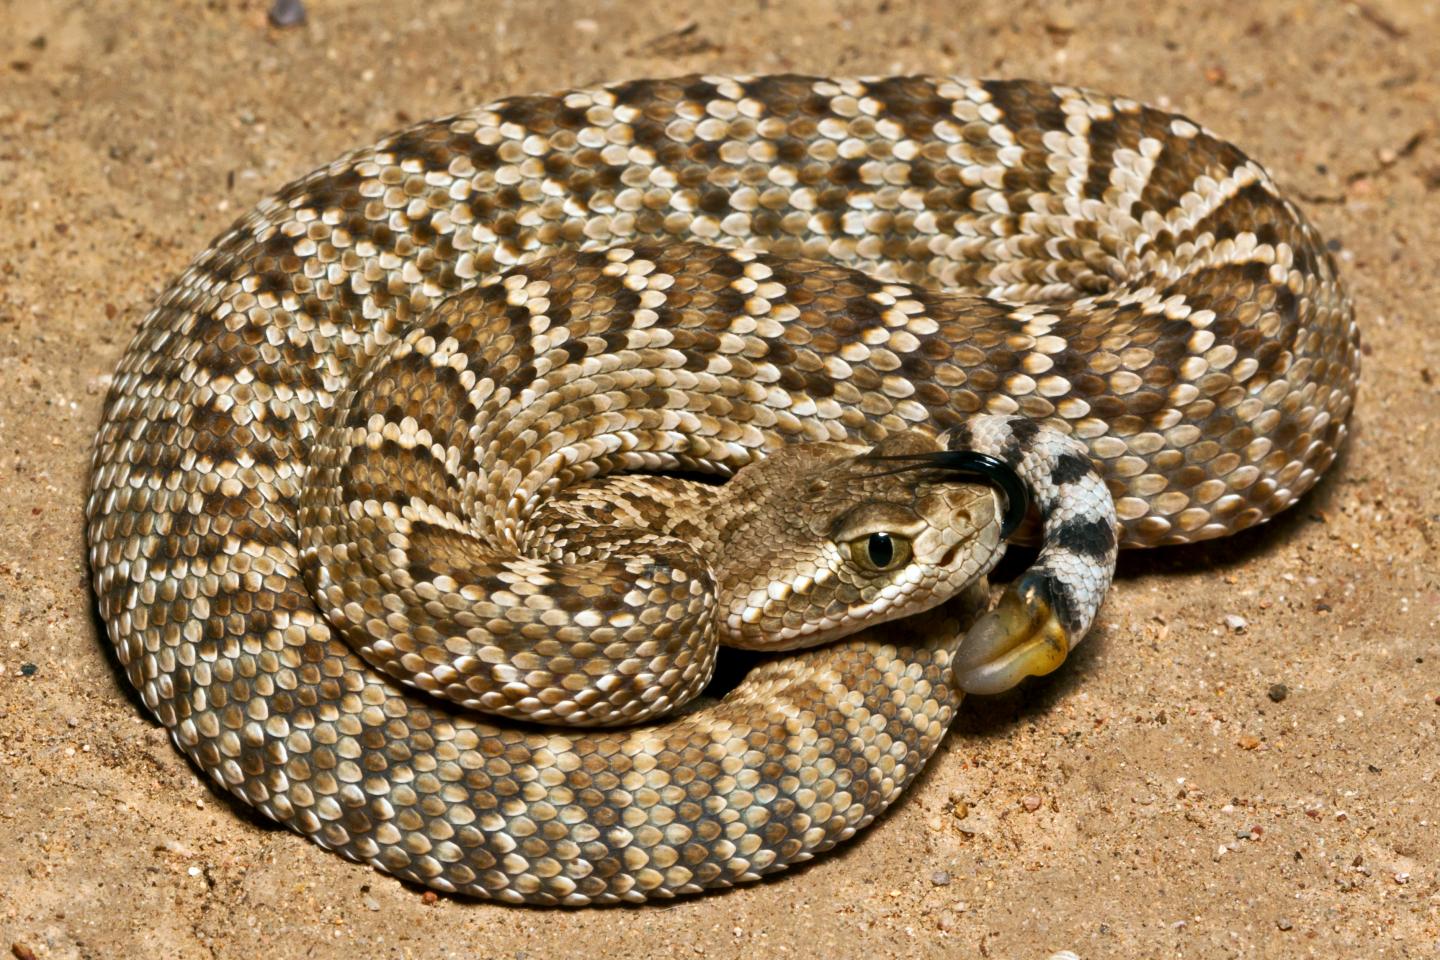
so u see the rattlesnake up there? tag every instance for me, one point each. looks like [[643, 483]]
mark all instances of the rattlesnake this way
[[703, 274]]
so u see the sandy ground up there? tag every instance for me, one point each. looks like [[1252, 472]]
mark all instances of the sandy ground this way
[[1182, 788]]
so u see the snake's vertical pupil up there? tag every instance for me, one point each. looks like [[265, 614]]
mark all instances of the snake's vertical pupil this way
[[882, 549]]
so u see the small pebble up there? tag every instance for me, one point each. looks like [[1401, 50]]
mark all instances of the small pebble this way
[[1284, 924], [1235, 622], [940, 878], [976, 825], [1030, 803], [287, 13], [177, 848], [28, 669], [371, 903], [1277, 692]]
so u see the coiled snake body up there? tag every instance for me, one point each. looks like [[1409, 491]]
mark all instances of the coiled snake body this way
[[388, 405]]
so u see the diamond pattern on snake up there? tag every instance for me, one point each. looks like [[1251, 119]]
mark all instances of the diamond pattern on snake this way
[[406, 516]]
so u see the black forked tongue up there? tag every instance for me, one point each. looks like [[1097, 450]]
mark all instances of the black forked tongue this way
[[973, 465]]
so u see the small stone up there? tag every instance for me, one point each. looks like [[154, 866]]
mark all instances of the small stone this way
[[1031, 803], [429, 898], [176, 848], [1284, 924], [371, 903], [286, 13], [22, 952], [1235, 622], [1402, 877], [1277, 692], [28, 669], [978, 823], [1248, 742], [940, 878]]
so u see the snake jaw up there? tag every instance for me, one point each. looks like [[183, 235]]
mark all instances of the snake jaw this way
[[1022, 637]]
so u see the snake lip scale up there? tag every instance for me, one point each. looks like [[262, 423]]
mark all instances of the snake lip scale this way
[[378, 473]]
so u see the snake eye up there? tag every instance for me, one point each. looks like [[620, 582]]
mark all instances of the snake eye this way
[[880, 552]]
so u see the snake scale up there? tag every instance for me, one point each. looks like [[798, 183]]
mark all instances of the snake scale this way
[[386, 484]]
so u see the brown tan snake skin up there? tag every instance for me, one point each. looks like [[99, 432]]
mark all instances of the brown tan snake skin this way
[[409, 351]]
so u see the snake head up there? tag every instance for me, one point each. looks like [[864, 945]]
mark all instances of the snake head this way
[[821, 540]]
